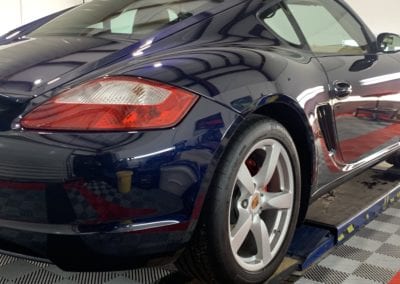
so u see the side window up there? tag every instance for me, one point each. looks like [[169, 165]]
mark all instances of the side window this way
[[328, 27], [120, 24], [141, 21], [276, 19], [123, 24]]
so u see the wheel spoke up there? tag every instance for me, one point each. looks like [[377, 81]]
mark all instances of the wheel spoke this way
[[281, 200], [245, 180], [241, 230], [261, 236], [269, 166]]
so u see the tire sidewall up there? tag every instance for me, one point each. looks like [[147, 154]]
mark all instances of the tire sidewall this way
[[217, 222]]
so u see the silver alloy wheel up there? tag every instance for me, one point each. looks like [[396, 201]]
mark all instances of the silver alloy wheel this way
[[261, 205]]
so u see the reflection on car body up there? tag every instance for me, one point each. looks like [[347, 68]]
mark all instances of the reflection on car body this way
[[227, 118]]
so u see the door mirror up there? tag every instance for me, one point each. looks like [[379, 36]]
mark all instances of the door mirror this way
[[388, 42], [363, 64]]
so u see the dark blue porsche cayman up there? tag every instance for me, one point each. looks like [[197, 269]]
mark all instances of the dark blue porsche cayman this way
[[140, 132]]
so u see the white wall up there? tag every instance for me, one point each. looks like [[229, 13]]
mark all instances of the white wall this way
[[32, 10], [380, 15], [14, 13], [10, 15], [380, 18]]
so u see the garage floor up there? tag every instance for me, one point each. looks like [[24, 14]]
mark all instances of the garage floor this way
[[371, 256], [18, 271]]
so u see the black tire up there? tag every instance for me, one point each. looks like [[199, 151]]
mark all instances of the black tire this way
[[175, 278], [210, 257], [394, 160]]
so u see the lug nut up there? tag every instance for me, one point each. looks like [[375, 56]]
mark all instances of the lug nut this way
[[245, 203]]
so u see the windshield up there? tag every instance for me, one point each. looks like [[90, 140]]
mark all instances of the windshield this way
[[128, 18]]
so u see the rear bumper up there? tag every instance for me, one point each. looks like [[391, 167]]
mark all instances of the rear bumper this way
[[63, 198], [82, 230], [96, 252]]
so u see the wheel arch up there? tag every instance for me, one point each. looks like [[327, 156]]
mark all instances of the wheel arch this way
[[287, 112]]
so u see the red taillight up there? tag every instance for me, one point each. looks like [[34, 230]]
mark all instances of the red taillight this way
[[112, 103]]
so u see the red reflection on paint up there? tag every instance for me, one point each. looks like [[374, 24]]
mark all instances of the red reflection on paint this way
[[23, 186], [107, 210]]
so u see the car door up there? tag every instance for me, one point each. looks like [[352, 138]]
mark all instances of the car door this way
[[364, 83]]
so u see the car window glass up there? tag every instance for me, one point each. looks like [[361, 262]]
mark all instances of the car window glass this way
[[276, 19], [133, 18], [123, 24], [328, 27]]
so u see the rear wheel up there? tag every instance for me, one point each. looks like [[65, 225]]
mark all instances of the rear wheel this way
[[251, 211]]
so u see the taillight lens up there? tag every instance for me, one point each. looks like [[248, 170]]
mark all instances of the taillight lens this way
[[112, 104]]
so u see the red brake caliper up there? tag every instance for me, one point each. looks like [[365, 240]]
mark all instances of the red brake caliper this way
[[253, 169], [252, 166]]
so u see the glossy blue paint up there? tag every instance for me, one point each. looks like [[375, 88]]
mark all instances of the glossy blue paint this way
[[66, 183]]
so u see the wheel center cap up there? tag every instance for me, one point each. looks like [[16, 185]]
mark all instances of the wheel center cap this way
[[255, 201]]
